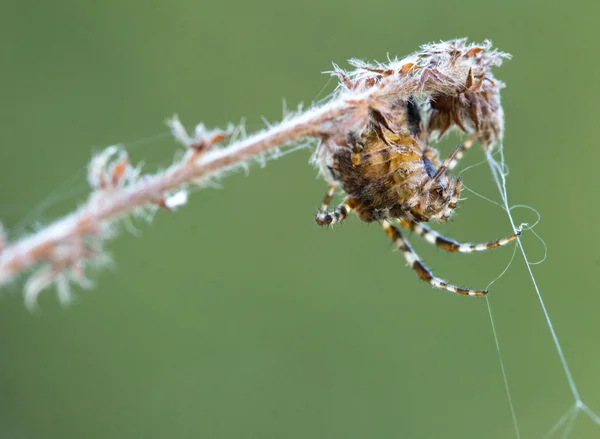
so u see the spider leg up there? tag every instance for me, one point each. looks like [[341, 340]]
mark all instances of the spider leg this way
[[440, 171], [328, 197], [429, 182], [450, 200], [339, 214], [450, 163], [422, 271], [448, 244], [461, 150]]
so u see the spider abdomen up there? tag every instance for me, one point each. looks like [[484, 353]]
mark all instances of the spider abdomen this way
[[389, 171]]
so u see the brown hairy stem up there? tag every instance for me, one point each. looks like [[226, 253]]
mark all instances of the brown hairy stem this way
[[22, 254]]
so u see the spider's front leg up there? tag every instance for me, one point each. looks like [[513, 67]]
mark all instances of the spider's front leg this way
[[436, 177], [340, 213], [457, 154], [452, 202], [460, 152]]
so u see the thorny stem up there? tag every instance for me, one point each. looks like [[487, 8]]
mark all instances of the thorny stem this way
[[453, 81]]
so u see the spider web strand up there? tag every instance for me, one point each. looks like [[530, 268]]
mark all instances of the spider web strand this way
[[500, 180], [510, 401]]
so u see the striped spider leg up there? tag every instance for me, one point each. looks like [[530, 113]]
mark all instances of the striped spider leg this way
[[441, 241], [340, 213], [461, 150], [451, 245], [451, 196], [422, 271]]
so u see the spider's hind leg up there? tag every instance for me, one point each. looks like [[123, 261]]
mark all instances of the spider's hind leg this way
[[422, 271], [451, 245]]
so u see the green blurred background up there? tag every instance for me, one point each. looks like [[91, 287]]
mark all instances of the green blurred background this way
[[225, 321]]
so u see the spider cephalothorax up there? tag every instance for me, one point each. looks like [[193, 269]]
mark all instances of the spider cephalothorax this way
[[386, 165]]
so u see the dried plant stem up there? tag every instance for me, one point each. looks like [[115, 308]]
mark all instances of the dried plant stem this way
[[21, 255], [452, 81]]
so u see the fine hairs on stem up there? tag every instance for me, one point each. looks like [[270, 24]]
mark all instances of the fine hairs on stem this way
[[453, 74]]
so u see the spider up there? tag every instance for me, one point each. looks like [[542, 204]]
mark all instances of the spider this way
[[391, 175]]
